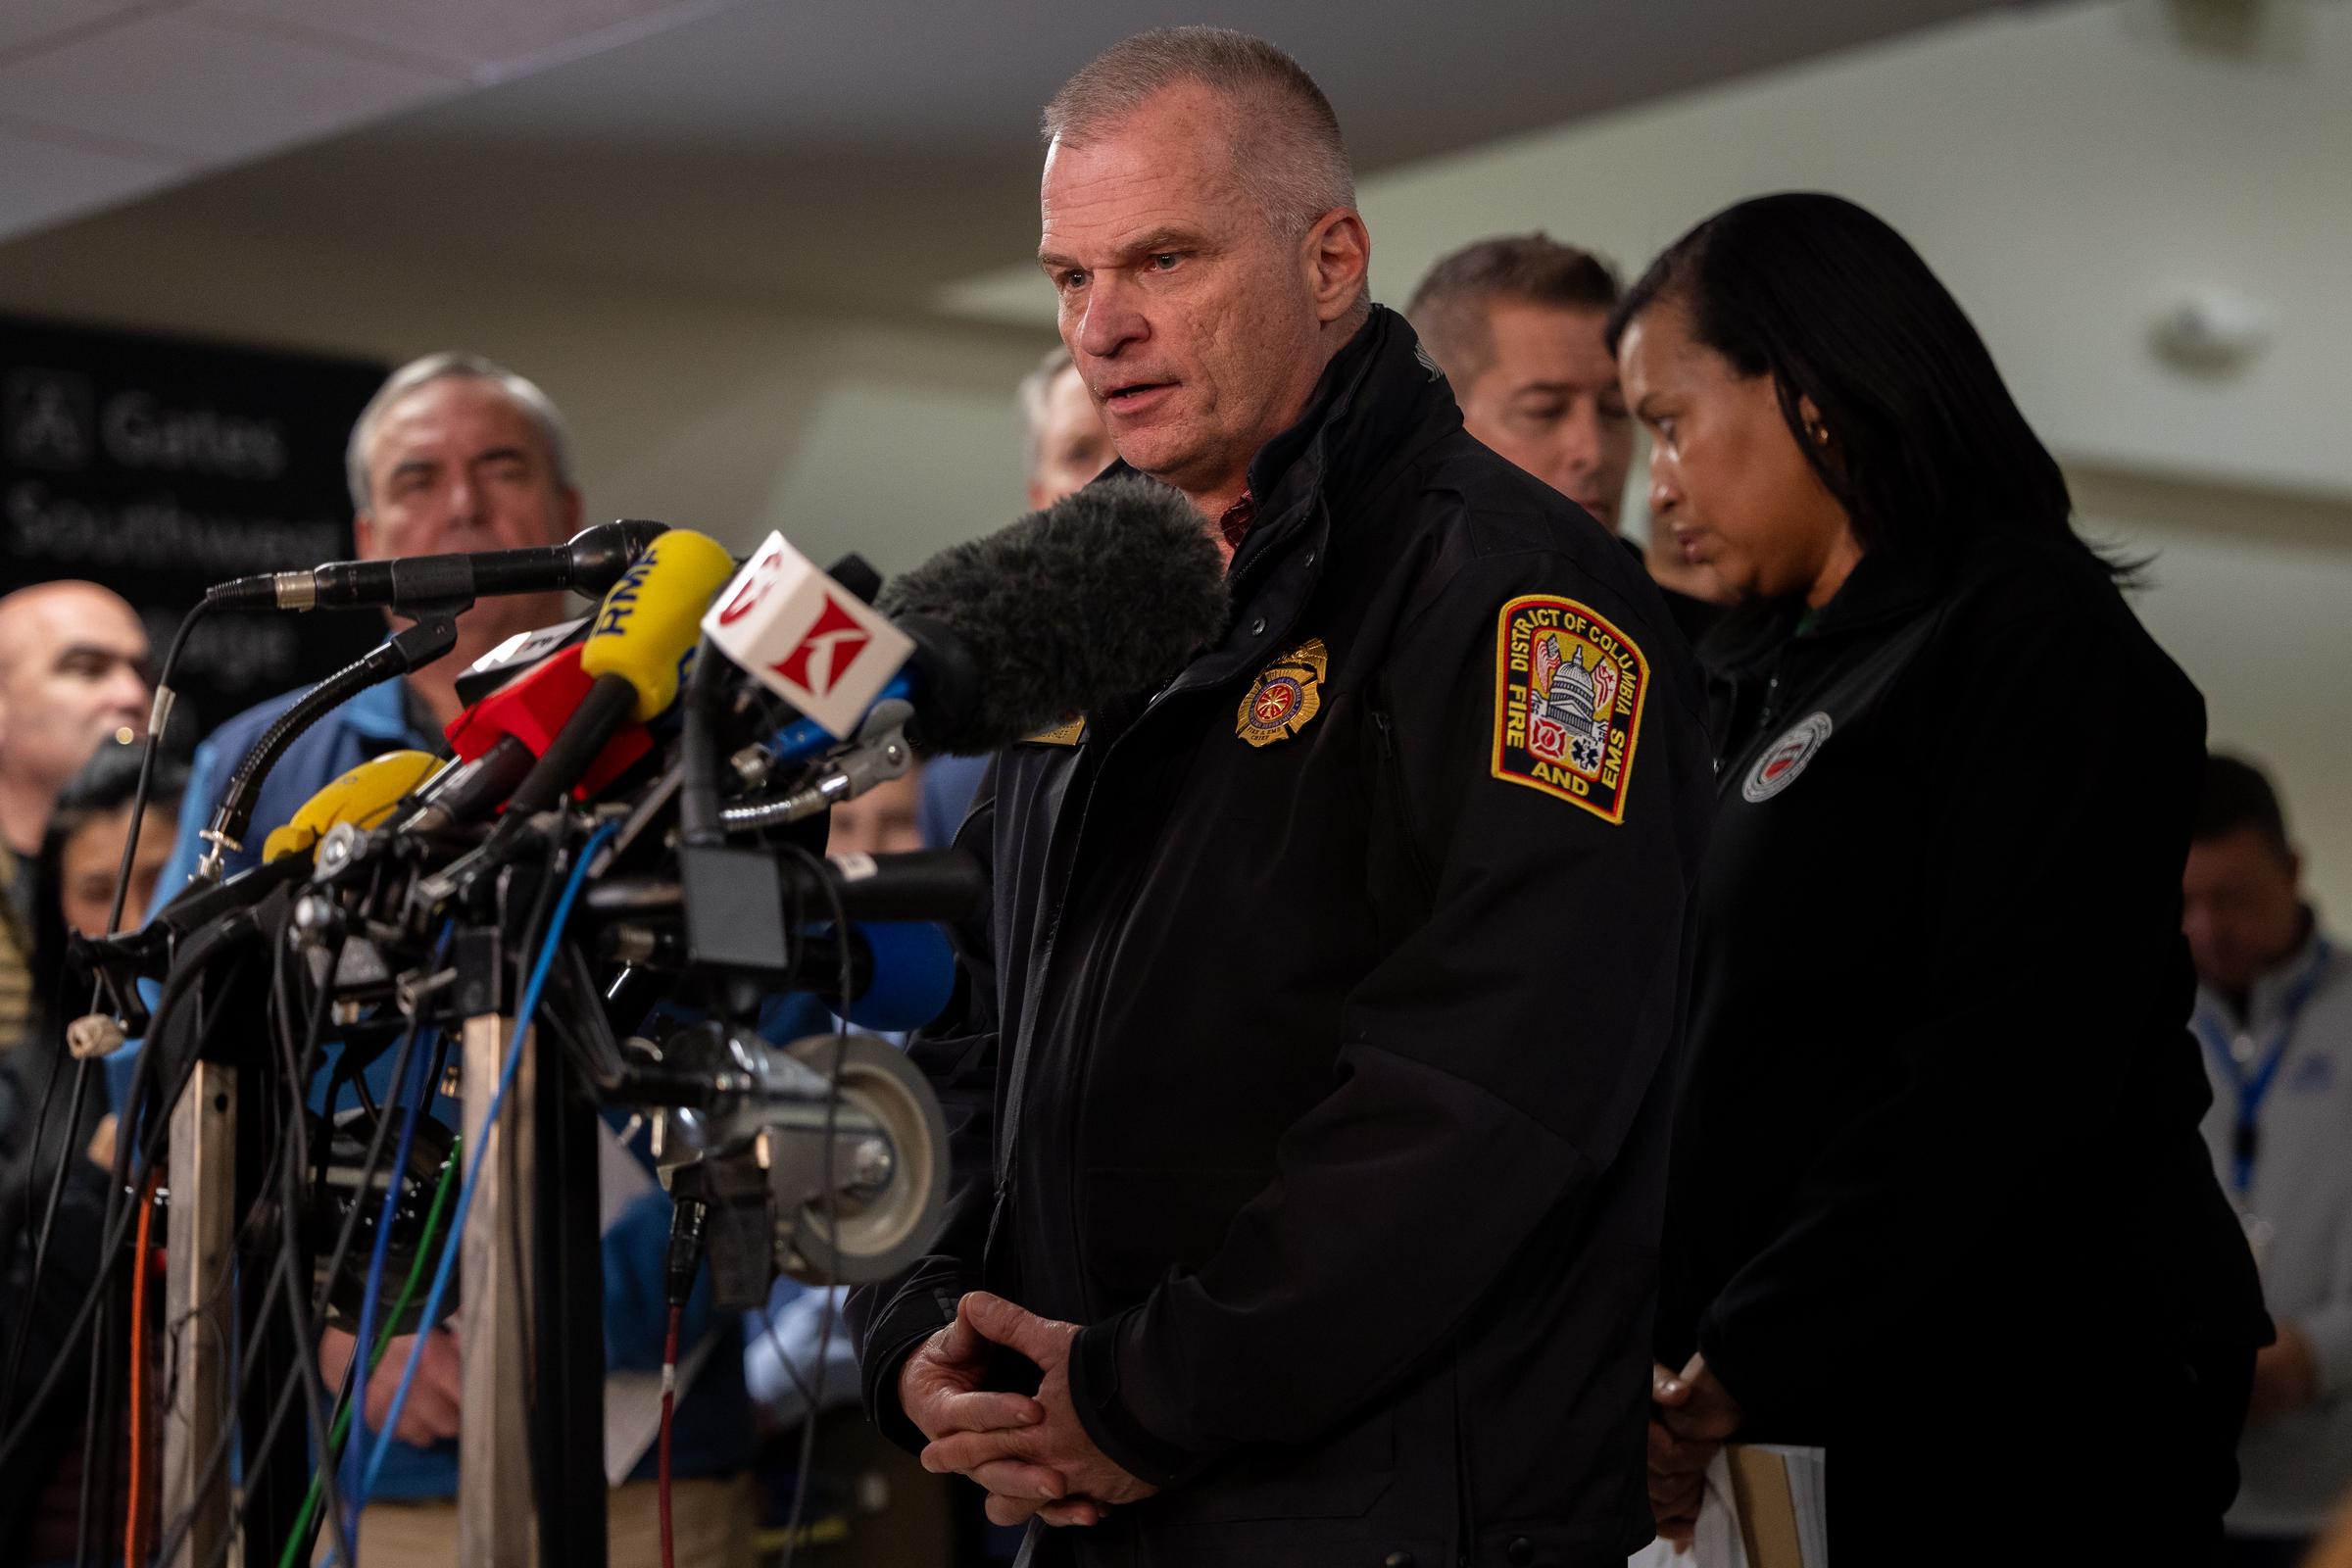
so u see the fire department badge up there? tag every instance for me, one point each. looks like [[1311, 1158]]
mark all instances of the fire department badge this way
[[1285, 697], [1568, 693], [1778, 767]]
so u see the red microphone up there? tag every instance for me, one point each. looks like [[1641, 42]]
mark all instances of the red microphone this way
[[500, 738]]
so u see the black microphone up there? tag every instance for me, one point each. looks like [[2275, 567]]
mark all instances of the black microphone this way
[[1104, 593], [943, 884], [589, 563]]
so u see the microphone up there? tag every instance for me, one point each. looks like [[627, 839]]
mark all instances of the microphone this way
[[500, 738], [515, 658], [644, 630], [917, 885], [589, 563], [364, 797], [1104, 593], [901, 972]]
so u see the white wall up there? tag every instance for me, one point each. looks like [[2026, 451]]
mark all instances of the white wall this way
[[728, 416], [2068, 170], [2253, 597]]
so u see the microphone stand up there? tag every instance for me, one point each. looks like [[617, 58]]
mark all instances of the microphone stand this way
[[434, 634]]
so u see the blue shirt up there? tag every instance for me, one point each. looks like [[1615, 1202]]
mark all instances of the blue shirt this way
[[948, 784], [712, 1425]]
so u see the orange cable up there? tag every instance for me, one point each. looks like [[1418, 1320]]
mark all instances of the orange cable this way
[[138, 1369]]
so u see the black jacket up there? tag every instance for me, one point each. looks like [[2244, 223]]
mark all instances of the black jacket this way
[[1317, 1060], [1937, 1158]]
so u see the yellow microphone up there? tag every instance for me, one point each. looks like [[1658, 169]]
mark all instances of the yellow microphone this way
[[647, 626], [362, 797]]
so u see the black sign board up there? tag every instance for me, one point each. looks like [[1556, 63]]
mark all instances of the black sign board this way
[[158, 466]]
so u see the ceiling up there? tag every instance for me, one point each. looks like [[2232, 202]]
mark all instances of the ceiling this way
[[863, 157], [105, 100]]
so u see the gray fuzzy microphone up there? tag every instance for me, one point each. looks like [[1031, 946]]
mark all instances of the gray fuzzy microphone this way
[[1107, 592]]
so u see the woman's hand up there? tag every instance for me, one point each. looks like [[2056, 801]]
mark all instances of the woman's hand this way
[[1691, 1413]]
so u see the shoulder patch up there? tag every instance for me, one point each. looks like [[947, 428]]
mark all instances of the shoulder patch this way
[[1285, 696], [1568, 693]]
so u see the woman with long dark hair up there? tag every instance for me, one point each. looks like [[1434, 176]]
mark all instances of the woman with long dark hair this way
[[1939, 1200]]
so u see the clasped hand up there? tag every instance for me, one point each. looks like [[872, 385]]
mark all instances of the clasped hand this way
[[1690, 1415], [1032, 1455]]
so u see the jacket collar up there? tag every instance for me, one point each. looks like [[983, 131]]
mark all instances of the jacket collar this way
[[1377, 394], [1881, 589]]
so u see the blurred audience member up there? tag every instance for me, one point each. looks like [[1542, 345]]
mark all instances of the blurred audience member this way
[[1938, 1187], [2275, 1013], [1519, 325], [72, 672], [1068, 445], [885, 820], [456, 453], [74, 888]]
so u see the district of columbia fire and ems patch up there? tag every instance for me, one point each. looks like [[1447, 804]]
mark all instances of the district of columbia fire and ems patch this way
[[1568, 694], [1285, 696]]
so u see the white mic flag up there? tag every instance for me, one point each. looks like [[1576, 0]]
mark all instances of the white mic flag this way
[[807, 638]]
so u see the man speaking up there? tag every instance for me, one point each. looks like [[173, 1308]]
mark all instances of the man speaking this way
[[1311, 1072]]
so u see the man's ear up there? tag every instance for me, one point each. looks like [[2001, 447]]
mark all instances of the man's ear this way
[[569, 513], [362, 534], [1338, 256]]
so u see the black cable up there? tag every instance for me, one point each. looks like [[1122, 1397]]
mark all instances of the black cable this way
[[159, 717], [355, 1375], [543, 902], [91, 1506], [282, 1278], [831, 1197], [281, 1282], [299, 1067], [118, 1225], [432, 635]]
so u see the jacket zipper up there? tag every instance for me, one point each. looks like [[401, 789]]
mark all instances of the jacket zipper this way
[[1393, 765]]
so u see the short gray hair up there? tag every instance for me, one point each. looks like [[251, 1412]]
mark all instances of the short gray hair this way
[[1037, 393], [536, 405], [1287, 150]]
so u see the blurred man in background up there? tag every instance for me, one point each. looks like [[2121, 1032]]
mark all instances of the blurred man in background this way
[[1516, 322], [456, 453], [72, 672], [1067, 447], [2275, 1013]]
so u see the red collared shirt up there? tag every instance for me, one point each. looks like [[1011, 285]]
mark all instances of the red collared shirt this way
[[1234, 525]]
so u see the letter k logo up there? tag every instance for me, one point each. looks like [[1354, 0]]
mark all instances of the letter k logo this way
[[826, 652]]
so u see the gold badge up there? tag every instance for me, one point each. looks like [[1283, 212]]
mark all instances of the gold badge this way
[[1069, 734], [1286, 695]]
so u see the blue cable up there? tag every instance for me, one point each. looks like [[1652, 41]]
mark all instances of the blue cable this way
[[372, 1295], [473, 1164]]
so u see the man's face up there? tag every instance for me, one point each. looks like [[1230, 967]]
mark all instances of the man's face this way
[[2240, 909], [1192, 320], [72, 672], [1072, 445], [1548, 400], [885, 820], [458, 465]]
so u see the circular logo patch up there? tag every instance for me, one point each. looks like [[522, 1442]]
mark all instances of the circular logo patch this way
[[1274, 702], [1778, 767]]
